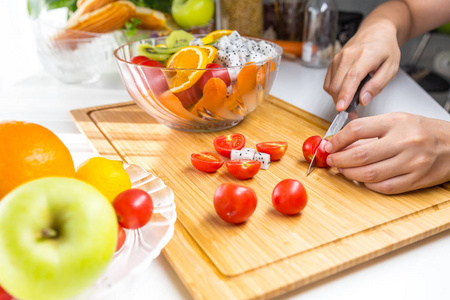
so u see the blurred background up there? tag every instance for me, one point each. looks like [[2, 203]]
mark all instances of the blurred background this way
[[426, 58]]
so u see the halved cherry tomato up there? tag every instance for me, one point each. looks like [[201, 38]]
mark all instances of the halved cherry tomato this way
[[206, 161], [275, 149], [243, 168], [289, 197], [309, 148], [225, 143], [234, 203], [145, 61]]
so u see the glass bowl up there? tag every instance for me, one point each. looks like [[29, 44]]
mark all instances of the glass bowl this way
[[193, 109], [141, 245], [72, 56]]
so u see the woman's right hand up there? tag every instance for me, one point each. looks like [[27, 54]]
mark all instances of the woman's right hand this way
[[373, 49]]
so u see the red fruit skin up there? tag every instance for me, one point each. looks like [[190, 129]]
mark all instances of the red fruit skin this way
[[190, 96], [222, 74], [134, 208], [289, 197], [234, 203], [4, 295]]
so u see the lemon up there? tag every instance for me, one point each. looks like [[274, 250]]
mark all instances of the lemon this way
[[106, 175], [215, 35]]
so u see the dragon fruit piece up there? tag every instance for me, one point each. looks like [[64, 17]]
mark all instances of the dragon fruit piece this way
[[256, 57], [266, 49], [222, 43], [235, 37], [229, 59], [196, 42]]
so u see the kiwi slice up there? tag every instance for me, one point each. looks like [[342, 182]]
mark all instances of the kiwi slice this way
[[178, 39], [149, 51]]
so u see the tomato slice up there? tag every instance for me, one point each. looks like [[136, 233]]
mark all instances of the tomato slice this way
[[275, 149], [206, 161], [243, 168], [225, 143]]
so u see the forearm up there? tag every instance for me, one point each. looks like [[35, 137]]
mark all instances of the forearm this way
[[409, 18]]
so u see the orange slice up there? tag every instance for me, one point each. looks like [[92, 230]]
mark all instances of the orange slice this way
[[215, 35], [212, 52], [188, 59]]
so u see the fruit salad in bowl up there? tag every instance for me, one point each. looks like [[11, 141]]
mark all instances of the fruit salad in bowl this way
[[199, 83]]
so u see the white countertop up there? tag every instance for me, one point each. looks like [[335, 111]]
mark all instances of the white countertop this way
[[418, 271]]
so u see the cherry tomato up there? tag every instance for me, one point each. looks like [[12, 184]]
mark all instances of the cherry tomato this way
[[206, 161], [134, 208], [234, 203], [243, 168], [121, 236], [289, 197], [275, 149], [145, 61], [217, 72], [225, 143], [309, 148], [4, 295]]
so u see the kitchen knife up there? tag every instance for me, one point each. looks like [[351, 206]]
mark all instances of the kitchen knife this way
[[339, 120]]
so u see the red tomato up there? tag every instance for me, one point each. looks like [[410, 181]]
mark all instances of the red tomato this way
[[206, 161], [275, 149], [121, 236], [289, 197], [145, 61], [153, 79], [243, 168], [4, 295], [225, 143], [234, 203], [134, 208], [309, 148], [217, 72]]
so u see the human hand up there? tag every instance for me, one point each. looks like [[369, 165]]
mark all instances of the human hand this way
[[393, 153], [374, 49]]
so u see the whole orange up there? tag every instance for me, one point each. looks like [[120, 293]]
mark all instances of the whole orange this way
[[29, 151]]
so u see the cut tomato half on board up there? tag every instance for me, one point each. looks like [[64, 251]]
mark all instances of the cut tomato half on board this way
[[243, 168], [276, 150], [225, 143], [206, 161]]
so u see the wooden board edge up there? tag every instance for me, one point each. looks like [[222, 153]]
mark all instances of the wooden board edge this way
[[204, 281]]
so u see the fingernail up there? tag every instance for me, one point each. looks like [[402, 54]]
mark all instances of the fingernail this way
[[329, 161], [340, 105], [328, 147], [339, 170], [366, 98]]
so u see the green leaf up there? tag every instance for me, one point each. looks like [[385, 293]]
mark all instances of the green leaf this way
[[35, 7], [70, 4], [131, 26], [161, 5]]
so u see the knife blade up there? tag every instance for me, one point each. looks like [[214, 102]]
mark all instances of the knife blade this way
[[339, 120]]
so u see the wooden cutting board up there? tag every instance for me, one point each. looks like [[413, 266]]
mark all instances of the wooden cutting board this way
[[343, 225]]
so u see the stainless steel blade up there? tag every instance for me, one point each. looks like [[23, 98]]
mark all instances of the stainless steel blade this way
[[334, 128]]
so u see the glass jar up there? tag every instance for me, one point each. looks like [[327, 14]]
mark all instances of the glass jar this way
[[245, 16], [289, 19], [319, 35]]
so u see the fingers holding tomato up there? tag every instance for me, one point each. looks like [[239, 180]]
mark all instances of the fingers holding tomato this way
[[289, 197], [234, 203], [310, 145]]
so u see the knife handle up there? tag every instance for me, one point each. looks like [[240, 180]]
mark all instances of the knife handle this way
[[355, 100]]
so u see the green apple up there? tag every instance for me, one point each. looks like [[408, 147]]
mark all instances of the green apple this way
[[190, 13], [57, 236]]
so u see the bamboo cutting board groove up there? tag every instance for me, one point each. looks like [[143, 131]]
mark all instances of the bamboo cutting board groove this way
[[343, 225]]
